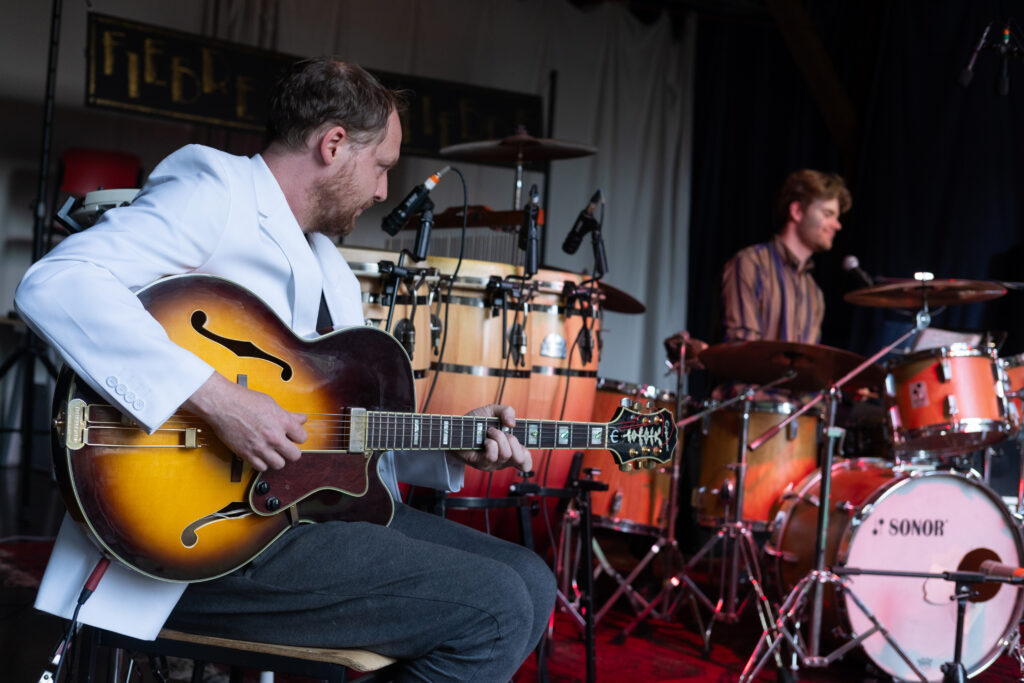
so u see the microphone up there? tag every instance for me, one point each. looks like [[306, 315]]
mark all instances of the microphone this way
[[585, 222], [964, 79], [1003, 81], [529, 240], [394, 221], [1006, 571], [852, 265]]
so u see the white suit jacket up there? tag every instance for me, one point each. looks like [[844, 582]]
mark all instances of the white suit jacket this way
[[201, 211]]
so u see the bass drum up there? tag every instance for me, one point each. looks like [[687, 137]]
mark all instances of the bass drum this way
[[904, 518]]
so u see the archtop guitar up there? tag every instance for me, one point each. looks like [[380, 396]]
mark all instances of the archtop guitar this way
[[178, 505]]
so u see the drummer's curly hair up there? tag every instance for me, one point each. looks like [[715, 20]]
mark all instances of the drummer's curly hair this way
[[325, 91], [805, 186]]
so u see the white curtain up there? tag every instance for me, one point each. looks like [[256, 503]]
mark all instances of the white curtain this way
[[623, 87]]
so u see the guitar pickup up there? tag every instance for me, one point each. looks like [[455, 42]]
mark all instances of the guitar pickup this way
[[74, 424], [357, 430]]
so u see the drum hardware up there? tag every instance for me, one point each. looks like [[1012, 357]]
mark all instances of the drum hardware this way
[[967, 590], [515, 292], [392, 275], [733, 533], [807, 653]]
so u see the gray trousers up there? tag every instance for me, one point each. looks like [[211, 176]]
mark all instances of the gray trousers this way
[[453, 603]]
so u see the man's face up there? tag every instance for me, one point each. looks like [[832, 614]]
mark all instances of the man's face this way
[[360, 180], [818, 223]]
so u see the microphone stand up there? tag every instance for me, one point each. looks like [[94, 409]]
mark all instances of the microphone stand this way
[[392, 274]]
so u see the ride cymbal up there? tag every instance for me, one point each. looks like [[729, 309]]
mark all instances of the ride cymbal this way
[[913, 293]]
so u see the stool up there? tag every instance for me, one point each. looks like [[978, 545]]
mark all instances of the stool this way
[[327, 664]]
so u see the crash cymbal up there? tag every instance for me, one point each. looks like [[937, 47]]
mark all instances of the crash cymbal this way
[[912, 293], [517, 149], [816, 366]]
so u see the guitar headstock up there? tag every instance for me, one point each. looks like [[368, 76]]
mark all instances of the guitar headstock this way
[[641, 440]]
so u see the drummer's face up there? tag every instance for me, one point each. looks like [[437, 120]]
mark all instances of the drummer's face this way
[[818, 224]]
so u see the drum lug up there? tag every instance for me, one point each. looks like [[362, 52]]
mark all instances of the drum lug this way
[[890, 386], [950, 408], [945, 371], [791, 430]]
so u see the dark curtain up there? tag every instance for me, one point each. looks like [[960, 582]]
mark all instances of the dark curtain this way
[[933, 172]]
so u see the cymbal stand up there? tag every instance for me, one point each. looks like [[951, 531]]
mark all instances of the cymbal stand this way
[[738, 543], [787, 626]]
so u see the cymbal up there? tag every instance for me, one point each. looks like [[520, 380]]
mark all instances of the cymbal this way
[[617, 301], [912, 293], [816, 366], [517, 149]]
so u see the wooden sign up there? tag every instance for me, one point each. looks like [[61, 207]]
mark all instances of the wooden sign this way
[[150, 70]]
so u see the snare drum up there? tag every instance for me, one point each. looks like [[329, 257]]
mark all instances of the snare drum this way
[[636, 501], [947, 401], [904, 518], [780, 462]]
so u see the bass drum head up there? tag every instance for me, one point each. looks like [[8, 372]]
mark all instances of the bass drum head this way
[[928, 523]]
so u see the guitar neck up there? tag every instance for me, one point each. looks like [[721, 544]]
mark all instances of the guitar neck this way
[[379, 430]]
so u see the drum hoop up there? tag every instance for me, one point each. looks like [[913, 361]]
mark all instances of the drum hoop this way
[[401, 300], [635, 389], [773, 407], [1011, 362], [563, 372], [480, 370], [957, 350], [368, 268], [843, 551], [968, 425]]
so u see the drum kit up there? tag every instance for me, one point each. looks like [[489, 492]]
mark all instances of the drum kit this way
[[890, 565]]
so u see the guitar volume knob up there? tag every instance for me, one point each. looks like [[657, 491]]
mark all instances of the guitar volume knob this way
[[273, 504], [262, 487]]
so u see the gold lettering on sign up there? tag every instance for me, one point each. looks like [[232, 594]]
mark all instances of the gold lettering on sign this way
[[151, 51], [133, 75], [244, 85], [210, 82], [182, 79], [111, 40]]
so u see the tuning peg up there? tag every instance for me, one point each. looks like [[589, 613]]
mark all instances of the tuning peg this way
[[625, 402], [637, 405], [626, 467]]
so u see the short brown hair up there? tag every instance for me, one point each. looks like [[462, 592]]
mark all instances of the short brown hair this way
[[323, 91], [805, 186]]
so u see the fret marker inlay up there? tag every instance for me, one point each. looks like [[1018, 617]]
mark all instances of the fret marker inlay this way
[[596, 435]]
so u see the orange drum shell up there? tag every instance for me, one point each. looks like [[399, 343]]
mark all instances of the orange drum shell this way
[[918, 393], [776, 465], [636, 501]]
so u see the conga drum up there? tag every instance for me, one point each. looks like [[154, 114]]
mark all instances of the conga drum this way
[[562, 330]]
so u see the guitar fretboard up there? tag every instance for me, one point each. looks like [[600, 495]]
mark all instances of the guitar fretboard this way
[[409, 431]]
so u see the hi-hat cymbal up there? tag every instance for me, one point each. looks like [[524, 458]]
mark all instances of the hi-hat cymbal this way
[[816, 366], [913, 293], [517, 149]]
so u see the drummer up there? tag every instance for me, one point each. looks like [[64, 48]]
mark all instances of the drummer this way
[[768, 291]]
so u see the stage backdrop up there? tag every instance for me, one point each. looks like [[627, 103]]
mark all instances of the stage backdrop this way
[[623, 87]]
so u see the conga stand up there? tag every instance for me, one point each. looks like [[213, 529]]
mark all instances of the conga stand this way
[[811, 588], [739, 547]]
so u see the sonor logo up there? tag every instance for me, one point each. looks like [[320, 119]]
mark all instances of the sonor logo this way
[[917, 527]]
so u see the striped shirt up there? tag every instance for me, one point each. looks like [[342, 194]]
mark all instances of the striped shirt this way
[[766, 294]]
